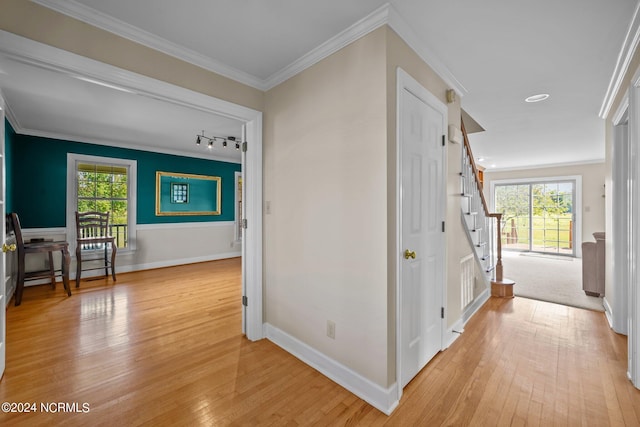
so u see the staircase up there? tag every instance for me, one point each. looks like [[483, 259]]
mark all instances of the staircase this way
[[482, 227]]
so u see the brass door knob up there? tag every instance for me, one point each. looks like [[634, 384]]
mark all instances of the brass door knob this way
[[409, 254], [8, 248]]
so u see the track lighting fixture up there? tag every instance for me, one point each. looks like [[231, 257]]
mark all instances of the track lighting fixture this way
[[212, 139]]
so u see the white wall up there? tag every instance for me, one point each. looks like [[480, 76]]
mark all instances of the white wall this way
[[325, 180]]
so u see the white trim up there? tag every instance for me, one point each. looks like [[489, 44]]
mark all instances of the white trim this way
[[476, 305], [618, 205], [42, 55], [51, 58], [383, 399], [182, 225], [607, 311], [237, 231], [72, 195], [252, 235], [453, 333], [384, 15], [408, 83], [577, 207], [48, 231], [146, 266], [128, 145], [406, 33], [369, 23], [633, 234], [627, 51], [622, 113], [108, 23], [545, 166], [9, 114]]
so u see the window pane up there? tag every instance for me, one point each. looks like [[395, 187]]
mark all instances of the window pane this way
[[103, 188]]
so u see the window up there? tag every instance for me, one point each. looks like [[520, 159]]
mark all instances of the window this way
[[103, 184], [539, 215]]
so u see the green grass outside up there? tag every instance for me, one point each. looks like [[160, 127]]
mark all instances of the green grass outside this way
[[548, 233]]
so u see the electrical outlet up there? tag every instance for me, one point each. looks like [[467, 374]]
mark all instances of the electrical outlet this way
[[331, 329]]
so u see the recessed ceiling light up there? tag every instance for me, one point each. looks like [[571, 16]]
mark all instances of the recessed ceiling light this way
[[493, 166], [537, 98], [481, 159]]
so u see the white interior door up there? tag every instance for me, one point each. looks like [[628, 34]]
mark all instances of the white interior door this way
[[3, 293], [422, 259]]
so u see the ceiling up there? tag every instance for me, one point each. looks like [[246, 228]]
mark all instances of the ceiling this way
[[500, 51]]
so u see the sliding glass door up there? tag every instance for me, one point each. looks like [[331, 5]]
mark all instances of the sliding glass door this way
[[537, 216]]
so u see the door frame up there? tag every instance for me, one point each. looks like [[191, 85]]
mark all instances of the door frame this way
[[4, 302], [408, 83], [633, 195], [618, 210], [42, 55]]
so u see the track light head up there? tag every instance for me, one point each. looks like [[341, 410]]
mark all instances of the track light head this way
[[198, 140]]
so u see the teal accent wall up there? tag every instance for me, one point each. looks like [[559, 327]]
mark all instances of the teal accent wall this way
[[9, 136], [39, 180]]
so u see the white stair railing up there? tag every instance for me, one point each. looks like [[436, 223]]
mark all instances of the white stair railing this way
[[483, 227]]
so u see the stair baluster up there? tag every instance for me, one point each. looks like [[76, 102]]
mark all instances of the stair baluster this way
[[483, 226]]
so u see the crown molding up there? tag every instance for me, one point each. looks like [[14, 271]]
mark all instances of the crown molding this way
[[625, 56], [48, 57], [545, 166], [384, 15], [9, 114], [105, 22], [373, 21], [406, 33], [120, 144]]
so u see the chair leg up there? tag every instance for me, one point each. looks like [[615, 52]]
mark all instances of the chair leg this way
[[52, 273], [20, 283], [113, 260], [106, 263], [78, 265], [66, 260]]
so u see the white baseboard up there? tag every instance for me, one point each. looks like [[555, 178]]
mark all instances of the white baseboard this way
[[453, 333], [174, 262], [607, 312], [477, 303], [382, 399], [146, 266], [458, 327]]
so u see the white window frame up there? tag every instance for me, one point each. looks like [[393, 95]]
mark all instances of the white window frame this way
[[577, 203], [73, 160]]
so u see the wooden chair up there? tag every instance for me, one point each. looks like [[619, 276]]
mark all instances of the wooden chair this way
[[92, 231], [34, 247]]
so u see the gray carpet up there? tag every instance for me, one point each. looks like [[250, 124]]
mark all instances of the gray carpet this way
[[548, 278]]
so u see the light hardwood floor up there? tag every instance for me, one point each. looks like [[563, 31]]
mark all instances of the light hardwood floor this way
[[164, 347]]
